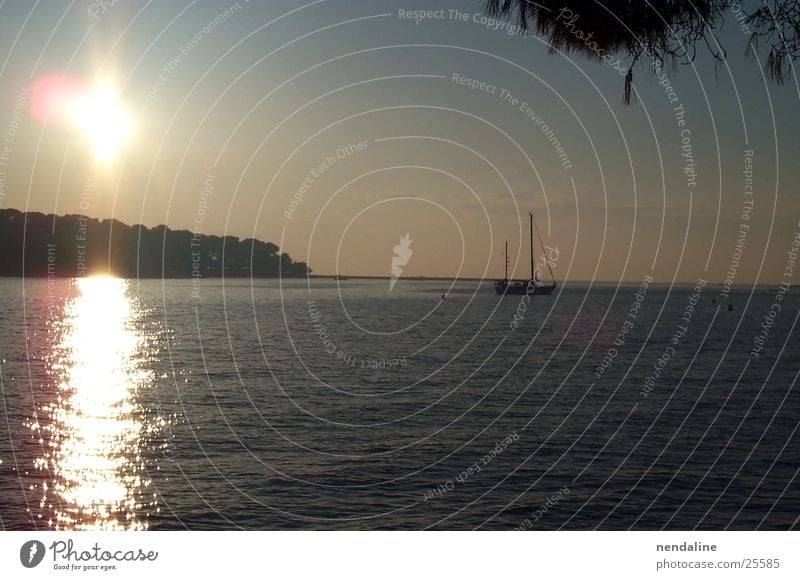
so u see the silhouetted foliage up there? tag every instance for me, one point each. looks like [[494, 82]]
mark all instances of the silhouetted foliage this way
[[35, 244], [659, 30], [777, 25]]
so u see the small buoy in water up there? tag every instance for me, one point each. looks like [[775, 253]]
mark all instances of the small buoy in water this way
[[730, 307]]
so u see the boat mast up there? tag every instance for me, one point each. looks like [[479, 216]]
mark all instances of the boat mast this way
[[532, 268], [506, 256], [549, 267]]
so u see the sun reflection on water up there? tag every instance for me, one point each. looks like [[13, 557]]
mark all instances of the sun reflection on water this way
[[93, 431]]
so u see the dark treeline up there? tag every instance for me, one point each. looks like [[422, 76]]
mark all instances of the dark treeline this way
[[74, 245]]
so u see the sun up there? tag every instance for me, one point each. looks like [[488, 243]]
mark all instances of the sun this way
[[101, 117]]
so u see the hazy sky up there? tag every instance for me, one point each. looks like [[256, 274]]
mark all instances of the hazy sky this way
[[249, 100]]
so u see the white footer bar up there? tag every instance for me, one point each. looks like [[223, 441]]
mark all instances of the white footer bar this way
[[399, 555]]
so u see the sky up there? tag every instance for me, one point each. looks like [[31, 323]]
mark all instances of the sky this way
[[333, 128]]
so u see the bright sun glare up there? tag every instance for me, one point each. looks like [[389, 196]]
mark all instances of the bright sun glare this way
[[101, 117]]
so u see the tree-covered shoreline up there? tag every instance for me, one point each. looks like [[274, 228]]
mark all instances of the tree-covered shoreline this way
[[39, 245]]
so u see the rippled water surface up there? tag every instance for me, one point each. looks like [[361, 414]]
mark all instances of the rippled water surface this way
[[341, 405]]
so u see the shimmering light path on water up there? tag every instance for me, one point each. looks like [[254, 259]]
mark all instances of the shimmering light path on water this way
[[91, 432]]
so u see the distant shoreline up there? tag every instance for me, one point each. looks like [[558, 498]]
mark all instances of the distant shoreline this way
[[50, 246], [763, 287]]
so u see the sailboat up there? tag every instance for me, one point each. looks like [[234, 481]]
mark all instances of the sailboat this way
[[531, 286]]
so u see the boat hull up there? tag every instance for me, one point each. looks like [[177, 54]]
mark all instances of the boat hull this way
[[522, 288], [545, 290]]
